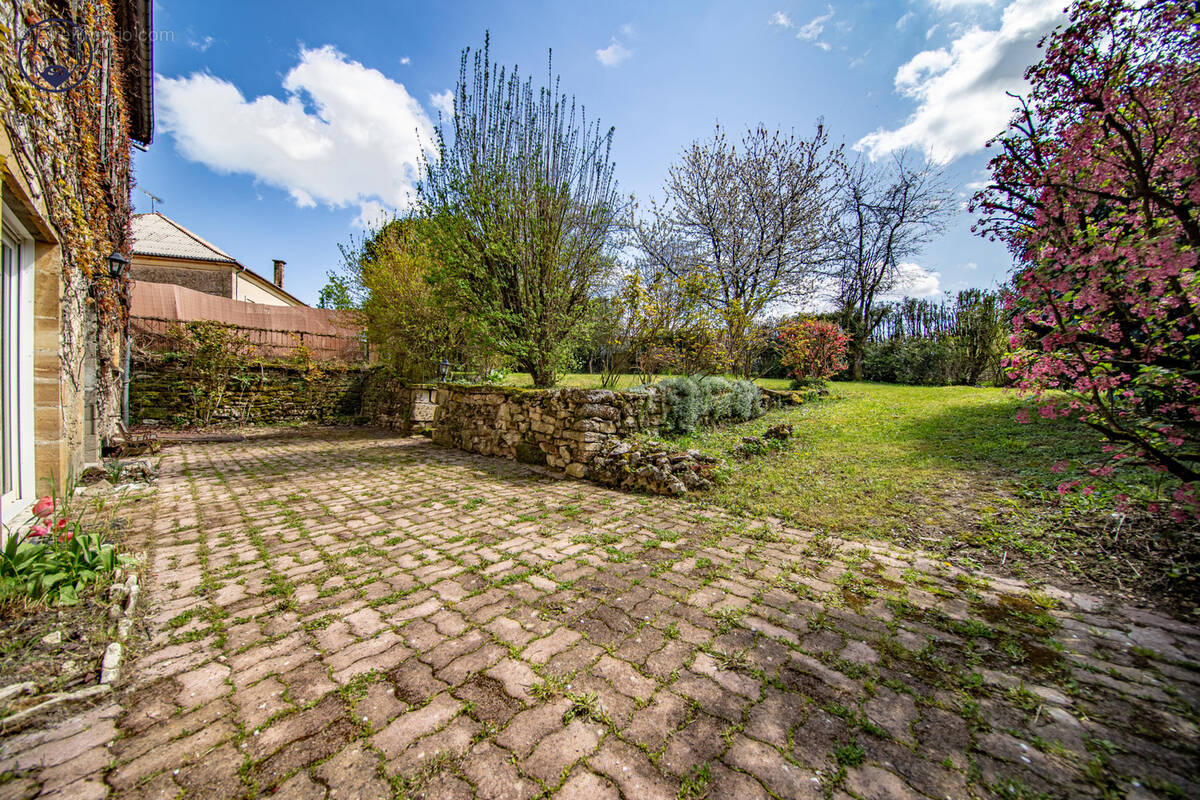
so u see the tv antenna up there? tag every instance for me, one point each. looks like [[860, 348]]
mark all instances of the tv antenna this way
[[153, 199]]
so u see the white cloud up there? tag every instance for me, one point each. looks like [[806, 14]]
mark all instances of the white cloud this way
[[202, 44], [960, 90], [628, 31], [916, 281], [443, 102], [954, 5], [981, 182], [814, 27], [613, 55], [405, 61], [343, 135], [811, 30], [903, 21], [372, 214], [920, 68]]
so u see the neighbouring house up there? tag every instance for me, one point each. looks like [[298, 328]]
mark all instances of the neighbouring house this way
[[76, 89], [181, 277], [166, 252]]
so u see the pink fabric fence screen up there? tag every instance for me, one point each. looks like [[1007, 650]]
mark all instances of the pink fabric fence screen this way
[[276, 331]]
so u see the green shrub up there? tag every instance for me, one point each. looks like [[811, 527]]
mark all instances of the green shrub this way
[[716, 397], [919, 362], [746, 400], [215, 353], [682, 404], [712, 400], [940, 343]]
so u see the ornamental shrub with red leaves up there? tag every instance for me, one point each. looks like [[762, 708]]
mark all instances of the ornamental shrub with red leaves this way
[[813, 349], [1096, 191]]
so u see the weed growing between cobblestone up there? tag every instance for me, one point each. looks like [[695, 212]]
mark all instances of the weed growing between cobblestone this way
[[413, 783], [549, 688], [695, 784], [585, 706]]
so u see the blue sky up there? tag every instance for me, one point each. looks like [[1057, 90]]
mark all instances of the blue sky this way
[[281, 126]]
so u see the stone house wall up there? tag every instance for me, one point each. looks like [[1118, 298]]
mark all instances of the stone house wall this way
[[215, 281], [65, 175]]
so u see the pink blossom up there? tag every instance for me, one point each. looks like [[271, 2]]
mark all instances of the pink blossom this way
[[1101, 219]]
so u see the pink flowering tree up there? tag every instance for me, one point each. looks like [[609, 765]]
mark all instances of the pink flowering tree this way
[[1096, 191]]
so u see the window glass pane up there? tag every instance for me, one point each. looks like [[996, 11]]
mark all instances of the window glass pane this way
[[8, 355]]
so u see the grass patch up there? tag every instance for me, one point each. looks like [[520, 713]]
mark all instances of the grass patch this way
[[850, 755], [584, 380], [950, 469]]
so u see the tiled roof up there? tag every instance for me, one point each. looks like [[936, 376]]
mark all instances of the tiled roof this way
[[157, 235]]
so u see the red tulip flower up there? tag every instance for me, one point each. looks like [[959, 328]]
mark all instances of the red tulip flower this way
[[43, 508]]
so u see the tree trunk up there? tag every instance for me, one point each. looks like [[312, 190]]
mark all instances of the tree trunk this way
[[856, 360], [543, 376]]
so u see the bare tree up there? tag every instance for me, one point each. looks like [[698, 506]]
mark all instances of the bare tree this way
[[748, 219], [884, 215]]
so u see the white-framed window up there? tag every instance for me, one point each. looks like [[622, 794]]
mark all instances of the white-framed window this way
[[16, 368]]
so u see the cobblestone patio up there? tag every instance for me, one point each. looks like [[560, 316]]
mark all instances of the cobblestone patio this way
[[352, 615]]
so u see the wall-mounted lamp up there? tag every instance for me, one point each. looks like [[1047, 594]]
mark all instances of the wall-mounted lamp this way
[[116, 265]]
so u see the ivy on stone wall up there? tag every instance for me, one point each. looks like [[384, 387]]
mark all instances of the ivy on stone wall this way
[[162, 389], [74, 148]]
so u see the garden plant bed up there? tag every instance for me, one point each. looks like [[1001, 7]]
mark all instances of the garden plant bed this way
[[592, 380], [58, 648], [53, 655]]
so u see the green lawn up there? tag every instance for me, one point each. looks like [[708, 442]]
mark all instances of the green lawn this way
[[946, 468], [583, 380]]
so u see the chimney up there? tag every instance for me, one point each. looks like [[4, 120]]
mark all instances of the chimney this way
[[279, 265]]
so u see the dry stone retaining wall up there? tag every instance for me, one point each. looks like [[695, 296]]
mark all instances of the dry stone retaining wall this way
[[160, 390], [388, 402], [561, 428], [583, 432]]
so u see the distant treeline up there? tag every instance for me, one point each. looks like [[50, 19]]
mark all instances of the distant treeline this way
[[928, 318], [956, 340]]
